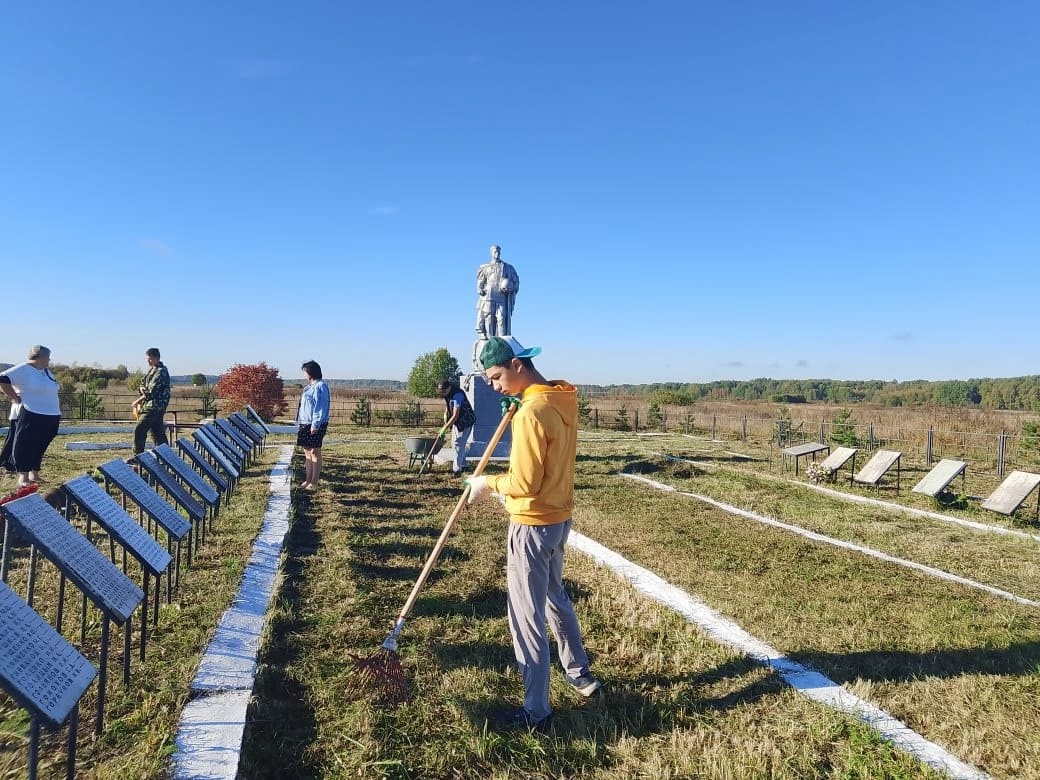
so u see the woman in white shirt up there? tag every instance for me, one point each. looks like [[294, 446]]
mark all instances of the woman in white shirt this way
[[32, 385]]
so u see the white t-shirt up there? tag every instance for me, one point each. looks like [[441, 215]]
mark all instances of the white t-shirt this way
[[37, 387]]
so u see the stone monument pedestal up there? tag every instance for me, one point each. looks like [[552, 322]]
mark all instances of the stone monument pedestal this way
[[487, 405]]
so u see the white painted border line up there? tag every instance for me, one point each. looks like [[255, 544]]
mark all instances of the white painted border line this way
[[209, 737], [909, 510], [807, 681], [929, 570]]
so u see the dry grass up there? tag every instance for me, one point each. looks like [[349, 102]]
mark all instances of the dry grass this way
[[960, 666], [676, 705]]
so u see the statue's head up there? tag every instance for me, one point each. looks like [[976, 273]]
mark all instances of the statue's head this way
[[496, 252]]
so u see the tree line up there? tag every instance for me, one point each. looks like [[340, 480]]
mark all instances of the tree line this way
[[1014, 394]]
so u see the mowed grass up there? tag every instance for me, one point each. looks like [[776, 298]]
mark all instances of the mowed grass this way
[[141, 719], [960, 666]]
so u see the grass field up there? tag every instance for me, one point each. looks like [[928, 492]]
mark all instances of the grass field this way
[[957, 664]]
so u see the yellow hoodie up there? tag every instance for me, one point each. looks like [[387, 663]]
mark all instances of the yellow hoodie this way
[[539, 487]]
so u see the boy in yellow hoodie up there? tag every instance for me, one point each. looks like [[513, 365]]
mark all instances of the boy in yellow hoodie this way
[[539, 496]]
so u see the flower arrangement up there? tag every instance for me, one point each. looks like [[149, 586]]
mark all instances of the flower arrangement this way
[[817, 473]]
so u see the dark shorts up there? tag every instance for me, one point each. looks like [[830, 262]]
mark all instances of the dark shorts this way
[[308, 440]]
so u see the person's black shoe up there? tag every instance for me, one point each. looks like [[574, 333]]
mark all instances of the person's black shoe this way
[[519, 719]]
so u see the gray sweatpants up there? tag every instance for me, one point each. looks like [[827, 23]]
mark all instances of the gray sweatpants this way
[[534, 576]]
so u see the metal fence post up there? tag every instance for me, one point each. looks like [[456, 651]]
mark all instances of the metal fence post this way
[[929, 445], [870, 436], [1001, 453], [743, 429], [714, 427], [822, 439]]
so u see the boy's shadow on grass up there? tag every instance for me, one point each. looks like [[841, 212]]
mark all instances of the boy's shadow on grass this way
[[634, 705]]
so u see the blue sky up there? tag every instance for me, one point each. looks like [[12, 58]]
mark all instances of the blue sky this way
[[690, 191]]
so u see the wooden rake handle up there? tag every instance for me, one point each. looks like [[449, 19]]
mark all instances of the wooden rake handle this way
[[437, 548]]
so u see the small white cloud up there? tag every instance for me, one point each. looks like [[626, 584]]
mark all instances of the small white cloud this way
[[260, 69], [384, 211], [156, 247]]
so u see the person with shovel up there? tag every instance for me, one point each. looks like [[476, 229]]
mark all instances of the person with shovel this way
[[458, 414], [539, 496]]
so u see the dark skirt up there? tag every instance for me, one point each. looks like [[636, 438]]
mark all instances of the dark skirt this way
[[308, 440], [32, 435]]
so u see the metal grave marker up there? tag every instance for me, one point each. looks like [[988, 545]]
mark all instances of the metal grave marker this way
[[237, 439], [876, 467], [243, 426], [131, 483], [196, 511], [211, 447], [121, 526], [941, 475], [169, 458], [257, 418], [71, 552], [38, 667], [1012, 492], [187, 448]]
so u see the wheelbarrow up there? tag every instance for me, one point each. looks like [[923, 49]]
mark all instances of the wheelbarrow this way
[[418, 447]]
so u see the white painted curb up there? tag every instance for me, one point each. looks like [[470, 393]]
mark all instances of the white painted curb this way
[[209, 737], [803, 679]]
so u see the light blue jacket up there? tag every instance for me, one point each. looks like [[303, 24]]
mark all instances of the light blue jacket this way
[[314, 405]]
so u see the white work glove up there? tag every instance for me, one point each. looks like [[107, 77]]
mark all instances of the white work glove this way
[[478, 489]]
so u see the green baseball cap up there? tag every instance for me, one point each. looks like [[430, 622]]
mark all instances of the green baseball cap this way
[[502, 349]]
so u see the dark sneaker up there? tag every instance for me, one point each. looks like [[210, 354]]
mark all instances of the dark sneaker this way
[[519, 719], [585, 683]]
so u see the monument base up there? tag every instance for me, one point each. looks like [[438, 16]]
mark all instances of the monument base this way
[[487, 405]]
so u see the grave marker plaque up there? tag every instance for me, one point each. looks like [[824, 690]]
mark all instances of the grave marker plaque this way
[[131, 483], [171, 485], [123, 528], [1012, 492], [187, 447], [106, 586], [187, 474], [216, 436], [237, 440], [210, 446], [38, 667], [241, 422], [257, 418]]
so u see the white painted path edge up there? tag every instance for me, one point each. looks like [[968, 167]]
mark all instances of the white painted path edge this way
[[209, 737], [929, 570], [806, 681]]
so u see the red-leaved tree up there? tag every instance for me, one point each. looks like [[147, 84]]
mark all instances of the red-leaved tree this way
[[257, 385]]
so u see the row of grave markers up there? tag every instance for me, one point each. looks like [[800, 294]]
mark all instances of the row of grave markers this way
[[176, 495], [1005, 500]]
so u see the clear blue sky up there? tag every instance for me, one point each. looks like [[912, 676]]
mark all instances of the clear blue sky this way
[[689, 191]]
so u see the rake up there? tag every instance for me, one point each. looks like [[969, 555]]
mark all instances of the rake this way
[[381, 673]]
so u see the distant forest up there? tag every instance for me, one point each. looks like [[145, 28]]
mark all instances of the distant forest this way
[[1017, 393], [1014, 394]]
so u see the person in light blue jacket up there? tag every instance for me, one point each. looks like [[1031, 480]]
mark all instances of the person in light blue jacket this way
[[313, 419]]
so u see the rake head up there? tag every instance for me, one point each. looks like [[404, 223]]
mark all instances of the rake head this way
[[381, 676]]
